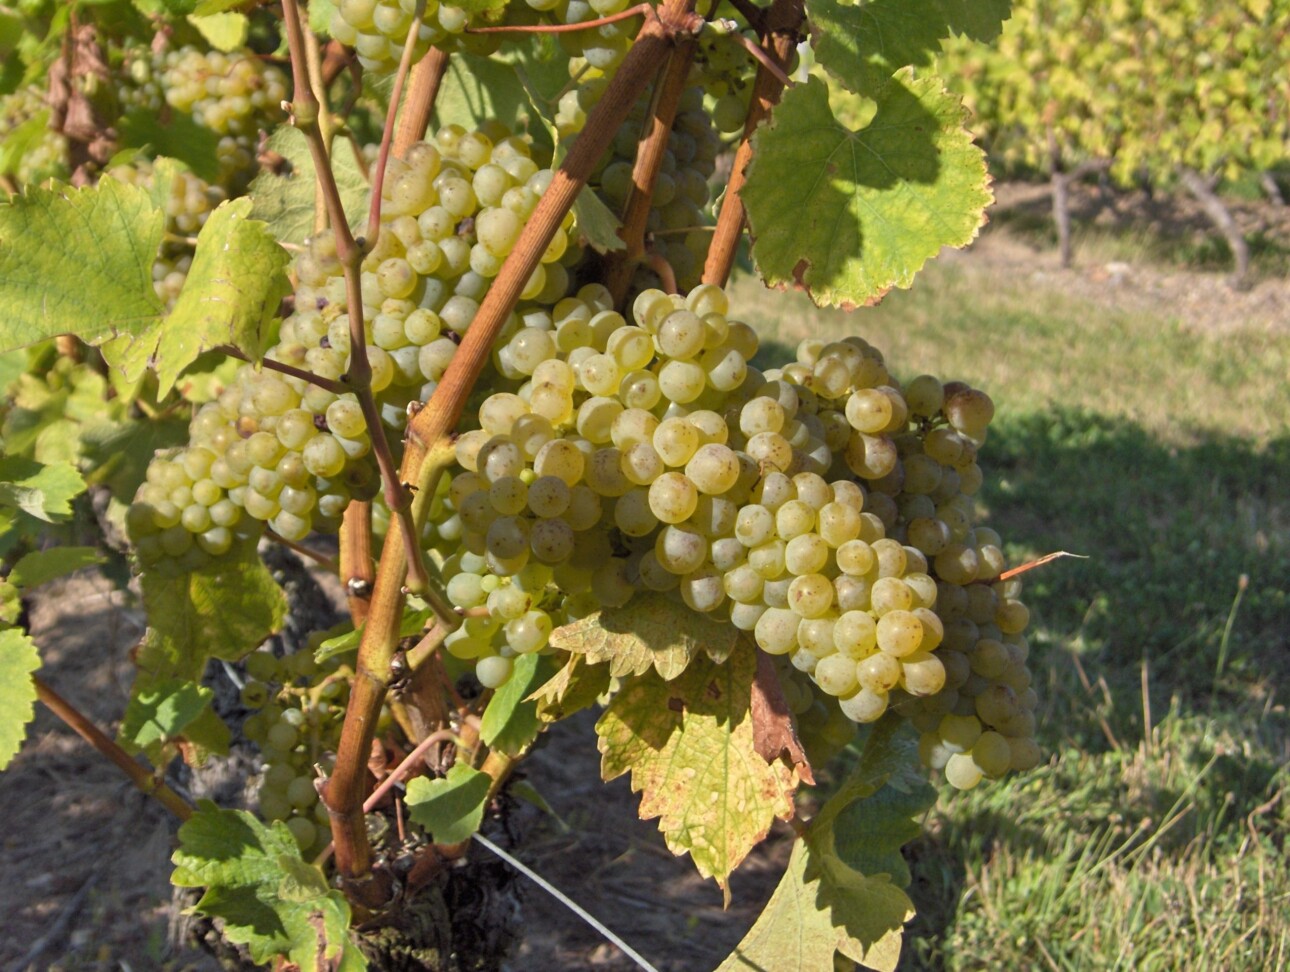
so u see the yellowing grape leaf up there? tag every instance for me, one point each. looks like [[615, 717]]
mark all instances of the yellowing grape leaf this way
[[574, 687], [650, 630], [269, 899], [78, 261], [847, 215], [222, 610], [18, 659], [451, 808], [689, 746], [231, 296], [864, 43], [795, 933], [223, 31]]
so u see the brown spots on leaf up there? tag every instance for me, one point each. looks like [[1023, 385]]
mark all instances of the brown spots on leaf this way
[[774, 734]]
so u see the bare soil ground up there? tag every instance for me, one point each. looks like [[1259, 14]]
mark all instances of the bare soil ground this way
[[84, 858]]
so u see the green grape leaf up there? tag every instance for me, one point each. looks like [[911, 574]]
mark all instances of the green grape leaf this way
[[222, 610], [269, 899], [207, 8], [651, 630], [869, 832], [597, 222], [160, 713], [284, 194], [690, 749], [237, 280], [18, 659], [866, 822], [107, 237], [865, 43], [451, 808], [414, 622], [847, 215], [320, 14], [40, 566], [39, 490], [573, 688], [179, 137], [223, 31], [510, 721], [22, 140], [10, 599], [117, 453], [800, 932]]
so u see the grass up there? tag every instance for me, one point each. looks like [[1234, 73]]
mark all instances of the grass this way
[[1154, 838]]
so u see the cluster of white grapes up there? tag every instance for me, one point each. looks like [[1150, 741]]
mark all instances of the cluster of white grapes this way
[[822, 507], [726, 69], [275, 448], [569, 478], [299, 707], [44, 154], [378, 30]]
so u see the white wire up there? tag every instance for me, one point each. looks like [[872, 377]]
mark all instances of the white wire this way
[[568, 902]]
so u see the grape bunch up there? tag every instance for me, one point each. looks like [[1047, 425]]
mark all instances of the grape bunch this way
[[276, 449], [727, 71], [45, 153], [299, 707], [235, 95], [378, 29], [916, 618], [568, 481]]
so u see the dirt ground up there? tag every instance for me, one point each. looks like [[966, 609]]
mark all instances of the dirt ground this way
[[84, 858]]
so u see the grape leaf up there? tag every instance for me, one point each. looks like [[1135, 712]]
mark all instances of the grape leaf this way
[[105, 238], [284, 195], [871, 816], [320, 14], [574, 687], [158, 714], [231, 295], [846, 214], [118, 453], [269, 899], [510, 721], [451, 808], [40, 566], [863, 44], [414, 622], [223, 31], [650, 630], [10, 598], [798, 933], [179, 137], [689, 746], [42, 491], [18, 659], [222, 610]]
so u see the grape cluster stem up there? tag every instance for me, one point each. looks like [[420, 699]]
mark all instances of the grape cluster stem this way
[[434, 423]]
